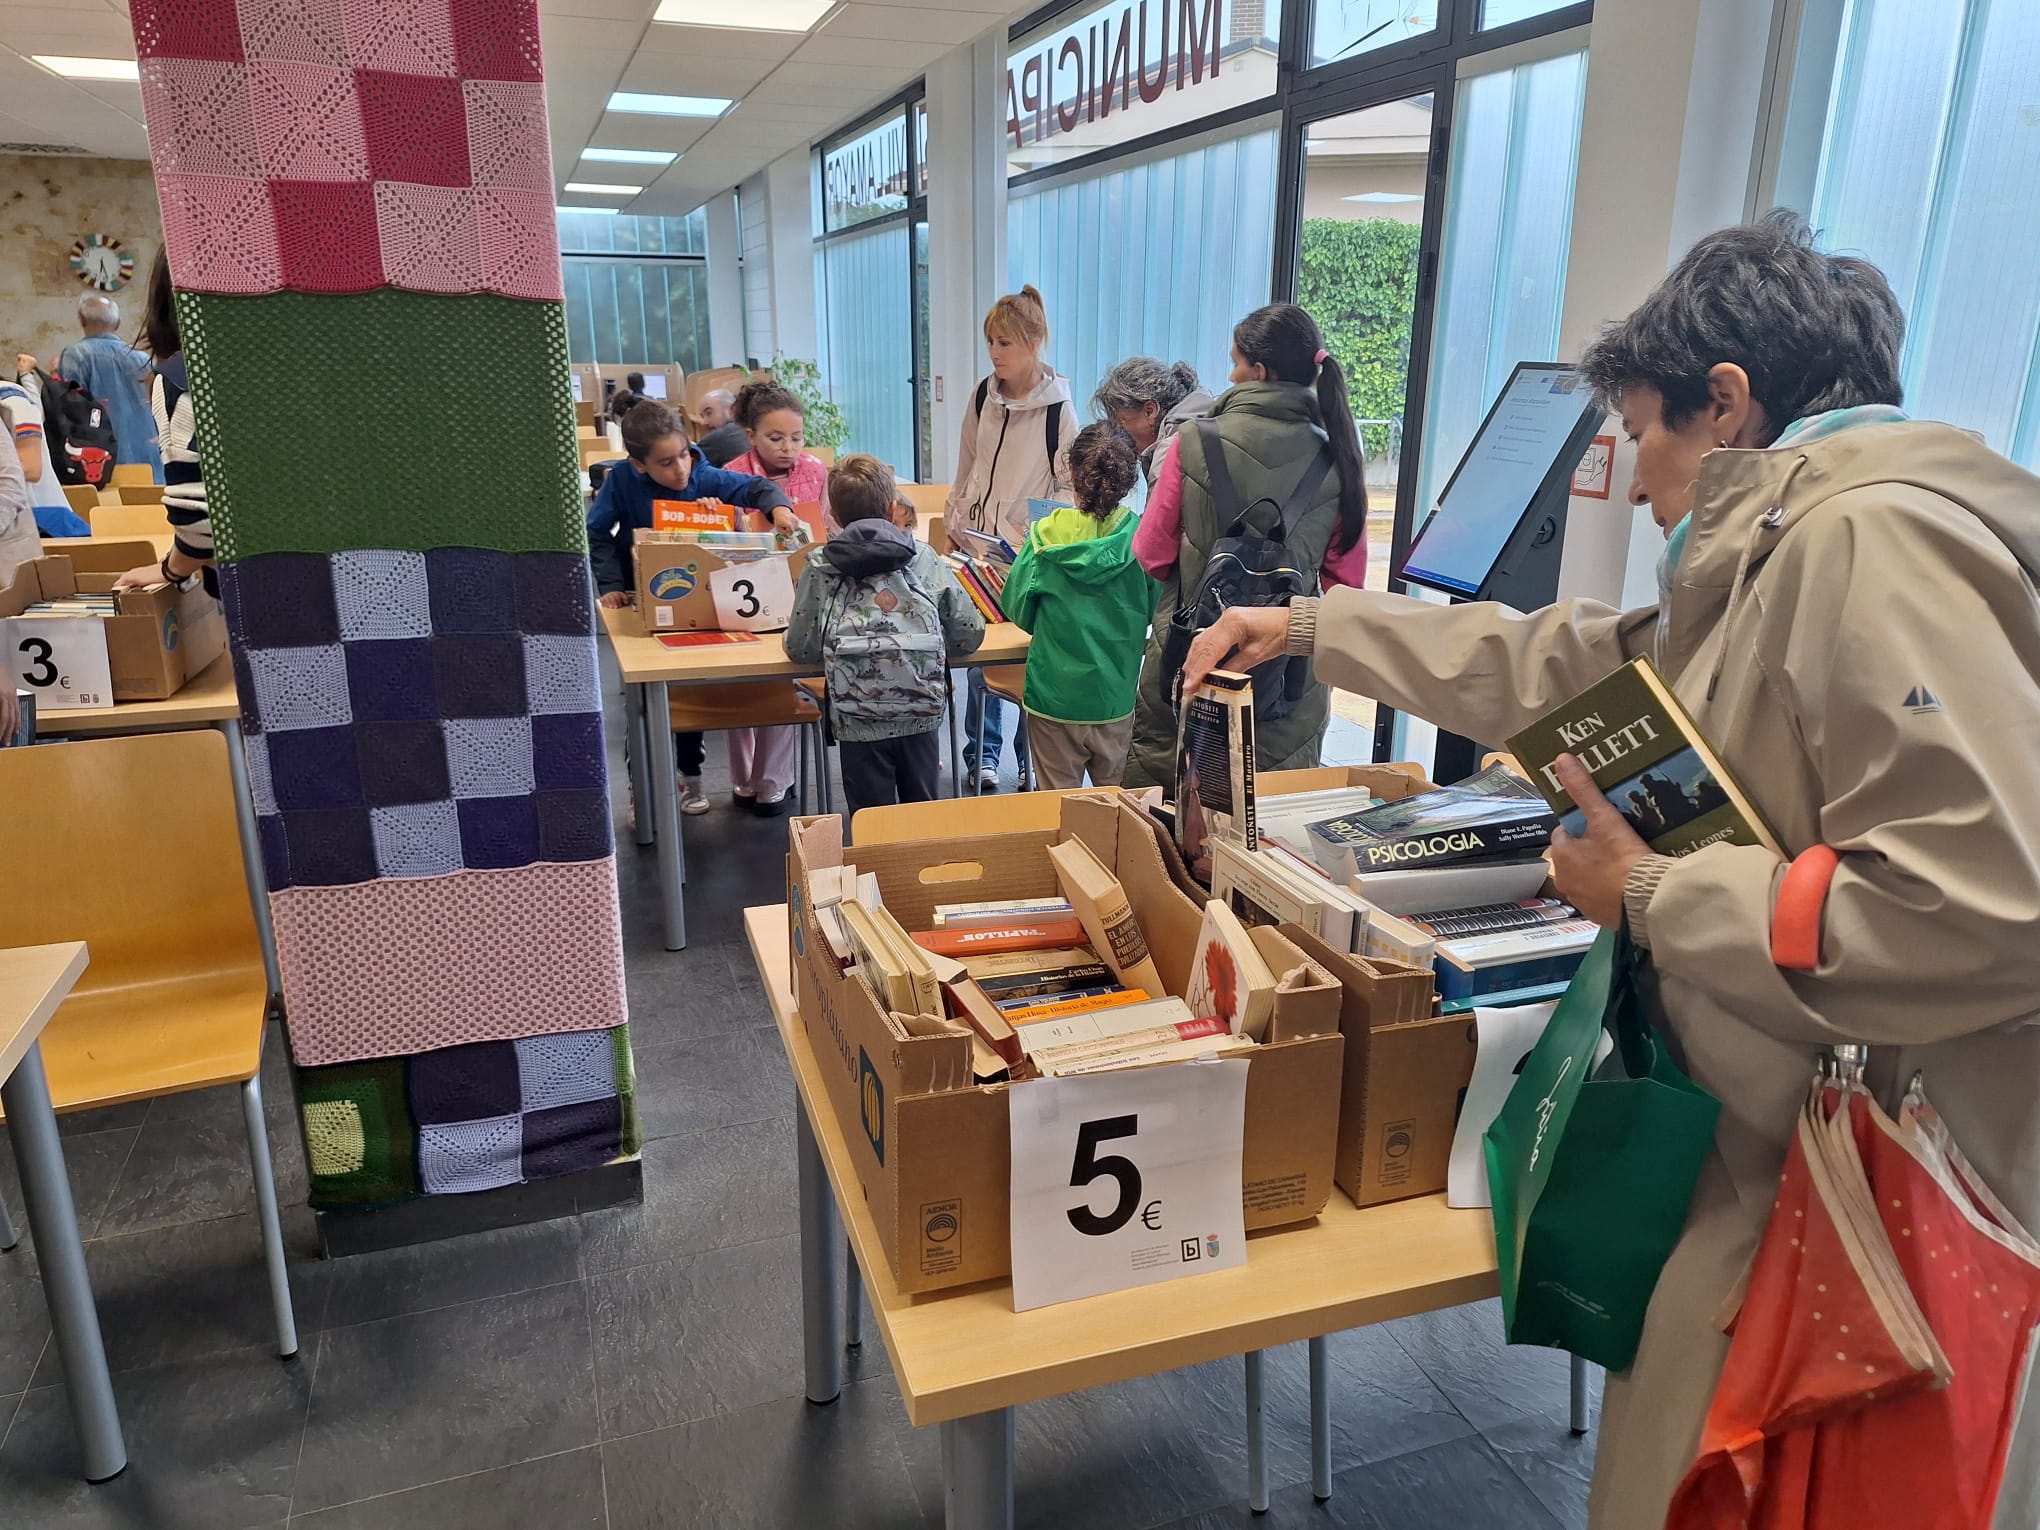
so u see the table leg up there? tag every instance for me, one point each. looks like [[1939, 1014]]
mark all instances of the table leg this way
[[664, 788], [977, 1471], [1257, 1437], [251, 850], [636, 745], [949, 724], [1320, 1423], [1579, 1395], [39, 1155], [853, 1299], [821, 1269]]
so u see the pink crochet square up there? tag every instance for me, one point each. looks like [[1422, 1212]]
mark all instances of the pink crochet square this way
[[309, 31], [307, 121], [497, 40], [401, 965], [430, 241], [414, 36], [416, 127], [201, 121], [186, 29], [326, 235], [220, 233], [520, 244], [507, 138]]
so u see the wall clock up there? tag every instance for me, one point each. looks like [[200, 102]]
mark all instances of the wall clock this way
[[103, 262]]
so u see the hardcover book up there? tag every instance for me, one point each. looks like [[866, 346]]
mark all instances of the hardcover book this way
[[1105, 915], [1651, 761], [1229, 979], [1491, 816], [1215, 770]]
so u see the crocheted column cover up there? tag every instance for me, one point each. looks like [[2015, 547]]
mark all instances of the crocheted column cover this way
[[357, 208]]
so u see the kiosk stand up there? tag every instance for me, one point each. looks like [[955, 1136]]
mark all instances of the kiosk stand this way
[[1498, 530]]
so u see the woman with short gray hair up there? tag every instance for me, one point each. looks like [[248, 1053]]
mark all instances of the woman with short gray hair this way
[[1846, 608], [1150, 400]]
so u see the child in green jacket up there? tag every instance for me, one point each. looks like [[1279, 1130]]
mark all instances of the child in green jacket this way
[[1078, 588]]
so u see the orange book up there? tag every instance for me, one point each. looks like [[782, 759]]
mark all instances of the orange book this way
[[1062, 1009], [692, 514], [1022, 936]]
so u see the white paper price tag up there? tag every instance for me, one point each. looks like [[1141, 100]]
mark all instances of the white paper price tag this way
[[61, 658], [1126, 1179], [752, 597]]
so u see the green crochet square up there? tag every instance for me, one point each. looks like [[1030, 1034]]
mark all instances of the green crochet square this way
[[626, 1092], [360, 1143], [384, 419]]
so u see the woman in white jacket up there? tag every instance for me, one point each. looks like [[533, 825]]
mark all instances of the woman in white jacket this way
[[1015, 447]]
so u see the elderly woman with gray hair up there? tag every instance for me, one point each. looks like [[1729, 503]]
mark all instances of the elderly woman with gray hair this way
[[1151, 401]]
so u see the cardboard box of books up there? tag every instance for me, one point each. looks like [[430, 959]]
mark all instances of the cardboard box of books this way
[[713, 578], [153, 639], [931, 1140]]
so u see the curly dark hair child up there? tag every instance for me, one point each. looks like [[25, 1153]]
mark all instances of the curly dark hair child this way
[[1103, 468]]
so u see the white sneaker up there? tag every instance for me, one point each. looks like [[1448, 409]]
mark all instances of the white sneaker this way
[[691, 799], [988, 779]]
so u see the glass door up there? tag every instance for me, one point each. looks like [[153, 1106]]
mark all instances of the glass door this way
[[1363, 264]]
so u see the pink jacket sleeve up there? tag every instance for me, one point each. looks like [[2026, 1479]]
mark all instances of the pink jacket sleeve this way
[[1349, 567], [1159, 536]]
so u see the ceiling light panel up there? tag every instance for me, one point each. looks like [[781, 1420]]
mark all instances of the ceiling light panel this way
[[630, 156], [605, 212], [750, 16], [603, 188], [668, 106], [89, 68]]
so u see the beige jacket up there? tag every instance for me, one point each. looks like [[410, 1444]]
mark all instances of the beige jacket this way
[[1855, 627], [1002, 459]]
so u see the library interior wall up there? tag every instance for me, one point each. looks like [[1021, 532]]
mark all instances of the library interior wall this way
[[725, 283], [47, 201]]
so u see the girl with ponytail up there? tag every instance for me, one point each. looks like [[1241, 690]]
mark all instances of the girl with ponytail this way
[[1287, 407]]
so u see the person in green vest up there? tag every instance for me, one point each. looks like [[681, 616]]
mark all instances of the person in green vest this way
[[1077, 587], [1286, 406]]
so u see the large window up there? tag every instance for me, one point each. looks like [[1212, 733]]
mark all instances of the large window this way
[[1128, 263], [871, 257], [637, 288], [1931, 167]]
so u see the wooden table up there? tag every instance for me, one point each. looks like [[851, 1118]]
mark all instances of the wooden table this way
[[34, 980], [964, 1359], [649, 668], [160, 540], [207, 701]]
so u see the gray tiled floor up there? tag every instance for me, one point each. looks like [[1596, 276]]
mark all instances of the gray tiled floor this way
[[639, 1369]]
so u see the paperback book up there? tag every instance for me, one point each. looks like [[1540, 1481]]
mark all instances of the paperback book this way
[[1215, 770], [1649, 759], [1491, 816]]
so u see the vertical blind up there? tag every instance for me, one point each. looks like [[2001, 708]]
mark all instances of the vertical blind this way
[[1508, 222], [1930, 167], [1159, 257], [636, 291], [867, 341]]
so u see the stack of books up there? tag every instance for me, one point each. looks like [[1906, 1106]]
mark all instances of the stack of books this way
[[1051, 987], [730, 546], [1451, 879], [981, 564]]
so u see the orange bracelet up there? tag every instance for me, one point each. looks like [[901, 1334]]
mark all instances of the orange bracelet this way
[[1802, 899]]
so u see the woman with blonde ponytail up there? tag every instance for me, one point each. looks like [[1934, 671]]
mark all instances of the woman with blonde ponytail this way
[[1017, 430]]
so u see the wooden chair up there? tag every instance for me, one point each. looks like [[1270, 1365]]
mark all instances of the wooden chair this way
[[139, 494], [699, 385], [131, 474], [176, 997], [1007, 682], [928, 498], [83, 498], [760, 704], [825, 455], [125, 520]]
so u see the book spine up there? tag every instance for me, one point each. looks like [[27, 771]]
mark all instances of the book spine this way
[[1078, 1051], [967, 916], [1167, 1051], [1025, 985], [1457, 983], [1494, 918], [1243, 782], [1516, 945], [1013, 1003], [1013, 937], [1450, 846], [1063, 1009]]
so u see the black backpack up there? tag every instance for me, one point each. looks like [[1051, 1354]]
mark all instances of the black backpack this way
[[78, 432], [1250, 565], [984, 391]]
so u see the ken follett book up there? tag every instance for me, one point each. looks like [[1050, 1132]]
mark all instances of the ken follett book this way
[[1648, 757]]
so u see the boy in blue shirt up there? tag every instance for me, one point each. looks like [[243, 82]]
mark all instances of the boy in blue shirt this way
[[663, 465]]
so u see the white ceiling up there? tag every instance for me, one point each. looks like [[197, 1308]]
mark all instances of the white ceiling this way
[[790, 87]]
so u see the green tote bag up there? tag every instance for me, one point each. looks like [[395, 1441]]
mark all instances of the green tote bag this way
[[1591, 1168]]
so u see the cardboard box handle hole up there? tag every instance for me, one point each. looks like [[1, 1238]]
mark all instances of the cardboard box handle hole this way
[[953, 871]]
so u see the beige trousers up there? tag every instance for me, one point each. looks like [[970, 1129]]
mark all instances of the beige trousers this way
[[1064, 752]]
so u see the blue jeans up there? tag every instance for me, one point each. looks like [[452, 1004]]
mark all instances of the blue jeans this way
[[993, 711]]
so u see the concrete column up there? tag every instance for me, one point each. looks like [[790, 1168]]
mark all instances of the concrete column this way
[[966, 226], [725, 283], [1667, 140]]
